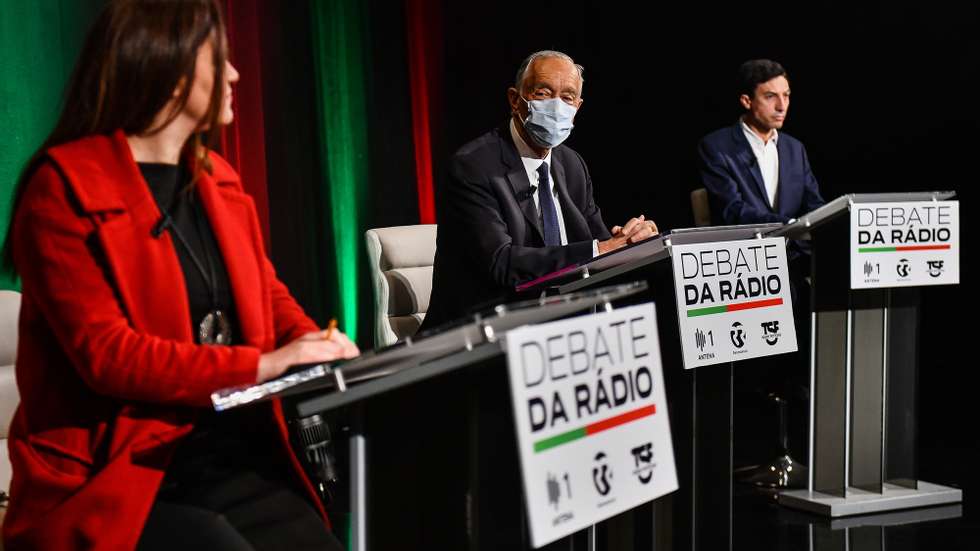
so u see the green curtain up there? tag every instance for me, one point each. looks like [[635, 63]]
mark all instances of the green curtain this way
[[339, 64], [39, 40]]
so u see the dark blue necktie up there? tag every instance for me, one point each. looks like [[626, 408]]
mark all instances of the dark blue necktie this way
[[549, 214]]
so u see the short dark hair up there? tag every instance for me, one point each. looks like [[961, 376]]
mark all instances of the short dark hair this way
[[757, 71]]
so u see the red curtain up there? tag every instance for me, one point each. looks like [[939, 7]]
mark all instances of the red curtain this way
[[243, 141], [422, 19]]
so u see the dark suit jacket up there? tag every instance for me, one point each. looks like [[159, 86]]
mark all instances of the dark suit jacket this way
[[490, 237], [737, 193]]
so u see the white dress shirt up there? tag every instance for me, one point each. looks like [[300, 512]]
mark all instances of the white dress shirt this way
[[767, 154], [531, 164]]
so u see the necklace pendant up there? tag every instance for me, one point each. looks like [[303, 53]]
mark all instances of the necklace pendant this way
[[214, 329]]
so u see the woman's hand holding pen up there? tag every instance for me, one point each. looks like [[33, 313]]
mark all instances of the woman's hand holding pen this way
[[318, 346]]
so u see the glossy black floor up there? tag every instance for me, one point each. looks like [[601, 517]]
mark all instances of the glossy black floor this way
[[761, 524], [947, 453]]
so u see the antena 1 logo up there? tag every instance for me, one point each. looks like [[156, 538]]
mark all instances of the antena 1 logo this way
[[770, 332], [738, 335], [700, 339], [704, 340], [554, 490]]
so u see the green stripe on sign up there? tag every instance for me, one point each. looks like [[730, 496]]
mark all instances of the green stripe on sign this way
[[706, 311], [876, 250], [559, 439]]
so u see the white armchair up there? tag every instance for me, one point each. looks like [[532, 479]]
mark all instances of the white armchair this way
[[401, 259], [9, 397]]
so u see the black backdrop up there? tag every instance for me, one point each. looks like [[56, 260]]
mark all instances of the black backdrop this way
[[883, 97]]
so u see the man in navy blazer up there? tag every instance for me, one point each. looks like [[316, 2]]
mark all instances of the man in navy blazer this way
[[756, 174], [753, 172]]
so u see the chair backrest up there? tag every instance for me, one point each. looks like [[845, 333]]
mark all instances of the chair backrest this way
[[401, 259], [701, 207], [9, 397]]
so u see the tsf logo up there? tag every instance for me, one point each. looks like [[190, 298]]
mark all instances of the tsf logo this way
[[643, 457], [770, 332], [935, 267]]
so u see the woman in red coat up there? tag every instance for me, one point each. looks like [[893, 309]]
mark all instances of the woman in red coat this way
[[145, 289]]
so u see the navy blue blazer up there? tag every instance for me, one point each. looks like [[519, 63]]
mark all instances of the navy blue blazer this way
[[731, 174]]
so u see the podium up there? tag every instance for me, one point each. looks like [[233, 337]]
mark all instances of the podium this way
[[863, 365], [699, 515], [412, 484]]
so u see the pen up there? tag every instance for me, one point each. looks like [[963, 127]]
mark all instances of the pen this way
[[330, 329]]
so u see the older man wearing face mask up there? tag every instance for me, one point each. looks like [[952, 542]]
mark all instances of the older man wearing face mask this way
[[518, 203]]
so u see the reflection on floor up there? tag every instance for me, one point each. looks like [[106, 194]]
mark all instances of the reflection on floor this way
[[761, 524]]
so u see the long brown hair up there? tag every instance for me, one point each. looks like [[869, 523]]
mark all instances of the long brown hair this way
[[133, 58]]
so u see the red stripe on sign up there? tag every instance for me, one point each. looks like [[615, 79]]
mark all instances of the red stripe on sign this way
[[620, 419], [755, 304], [922, 248]]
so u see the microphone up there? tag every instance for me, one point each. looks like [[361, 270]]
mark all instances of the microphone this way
[[312, 437], [162, 225]]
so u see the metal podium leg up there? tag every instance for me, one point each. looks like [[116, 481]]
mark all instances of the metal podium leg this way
[[358, 479], [901, 383], [829, 396], [867, 402], [713, 460]]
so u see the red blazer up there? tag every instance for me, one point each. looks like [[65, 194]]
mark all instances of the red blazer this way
[[106, 362]]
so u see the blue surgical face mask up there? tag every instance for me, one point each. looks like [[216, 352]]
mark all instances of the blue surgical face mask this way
[[549, 121]]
